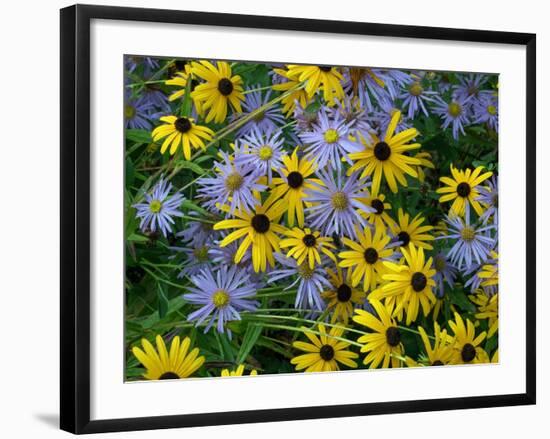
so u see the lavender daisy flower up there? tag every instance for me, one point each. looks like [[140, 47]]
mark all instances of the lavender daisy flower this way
[[336, 206], [306, 118], [474, 283], [196, 232], [198, 258], [470, 86], [445, 271], [383, 117], [472, 243], [153, 95], [159, 208], [394, 80], [221, 295], [137, 114], [414, 98], [149, 64], [267, 120], [311, 283], [234, 183], [454, 113], [351, 111], [488, 195], [329, 140], [262, 151], [485, 110]]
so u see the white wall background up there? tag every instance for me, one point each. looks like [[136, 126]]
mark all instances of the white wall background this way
[[29, 206]]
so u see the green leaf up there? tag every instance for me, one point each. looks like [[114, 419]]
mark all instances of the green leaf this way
[[162, 301], [251, 335], [460, 299], [192, 206], [139, 136], [192, 166], [137, 238]]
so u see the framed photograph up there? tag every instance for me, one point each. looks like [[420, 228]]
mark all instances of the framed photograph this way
[[268, 218]]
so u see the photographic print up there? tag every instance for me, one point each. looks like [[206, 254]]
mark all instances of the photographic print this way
[[286, 218]]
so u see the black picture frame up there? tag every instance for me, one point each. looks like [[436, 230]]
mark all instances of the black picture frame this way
[[75, 217]]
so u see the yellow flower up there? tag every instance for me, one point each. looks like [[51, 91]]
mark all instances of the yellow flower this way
[[220, 90], [238, 372], [487, 309], [316, 78], [180, 79], [324, 352], [462, 189], [380, 217], [161, 365], [181, 131], [466, 347], [412, 231], [307, 244], [358, 73], [384, 344], [298, 95], [442, 351], [343, 297], [259, 230], [425, 161], [291, 187], [412, 283], [387, 157], [366, 256], [489, 272]]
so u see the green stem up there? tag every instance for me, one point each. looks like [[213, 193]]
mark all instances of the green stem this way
[[196, 218], [292, 328], [267, 87], [413, 331]]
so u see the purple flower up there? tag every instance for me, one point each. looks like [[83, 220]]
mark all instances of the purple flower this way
[[474, 283], [198, 257], [149, 64], [329, 140], [488, 195], [383, 118], [234, 183], [351, 111], [470, 87], [336, 206], [414, 98], [267, 120], [261, 150], [196, 232], [485, 110], [473, 244], [137, 114], [159, 208], [311, 283], [222, 295], [153, 95], [454, 113], [445, 272]]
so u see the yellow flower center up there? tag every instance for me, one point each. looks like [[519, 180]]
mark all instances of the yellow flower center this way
[[331, 135], [259, 116], [234, 181], [415, 89], [440, 263], [129, 111], [155, 206], [468, 234], [305, 271], [265, 153], [220, 298], [201, 254], [340, 201], [455, 109], [492, 110]]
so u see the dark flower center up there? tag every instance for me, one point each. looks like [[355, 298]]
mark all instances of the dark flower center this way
[[260, 223], [382, 151], [343, 292], [419, 281], [378, 205], [463, 189], [468, 353], [309, 240], [295, 179], [371, 255], [405, 238], [325, 68], [437, 363], [327, 352], [182, 124], [393, 336], [169, 376], [225, 86], [135, 274]]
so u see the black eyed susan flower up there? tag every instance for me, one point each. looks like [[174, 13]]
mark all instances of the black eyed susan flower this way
[[180, 80], [164, 365], [467, 349], [239, 372], [379, 217], [259, 227], [412, 231], [365, 258], [463, 189], [425, 162], [383, 346], [181, 131], [296, 177], [489, 272], [316, 78], [442, 351], [325, 351], [305, 244], [220, 90], [411, 282], [487, 307], [342, 298], [298, 95], [387, 156]]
